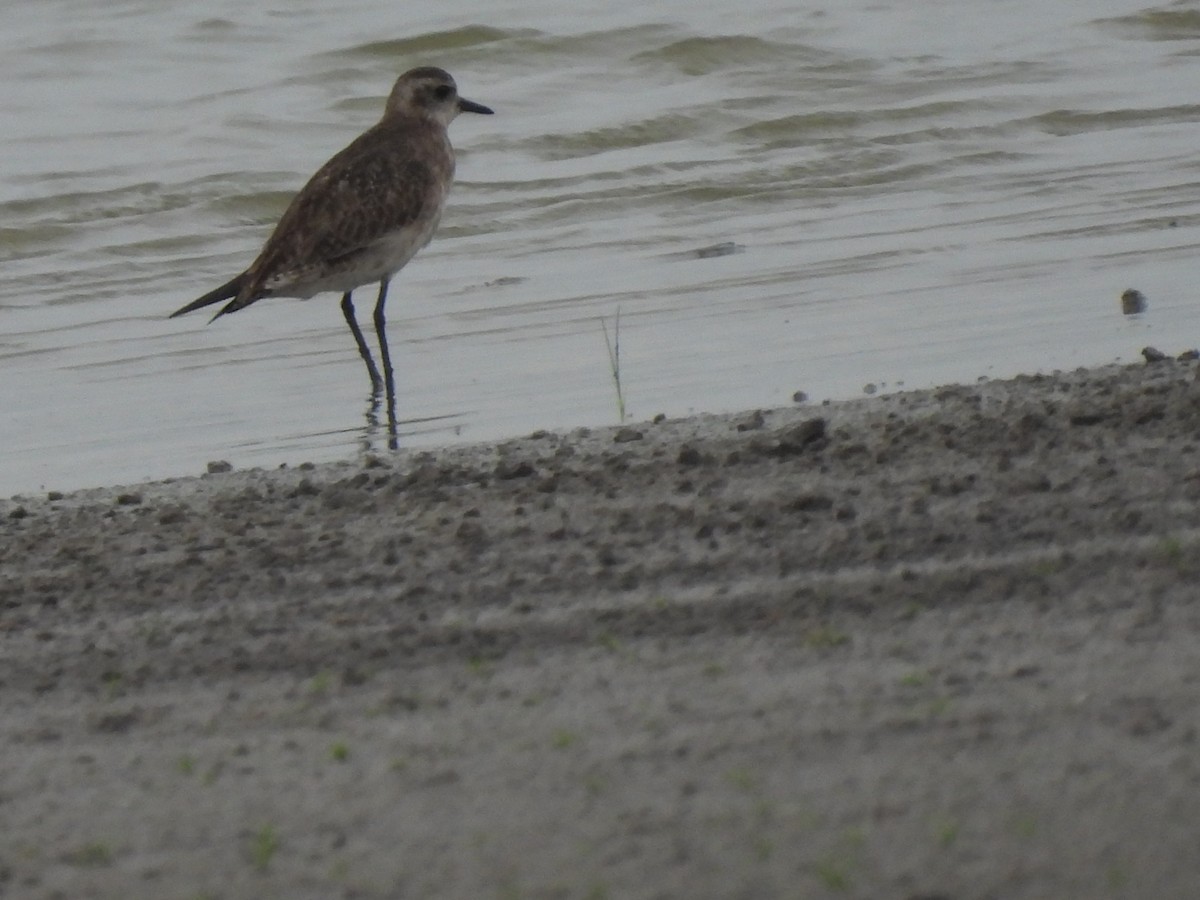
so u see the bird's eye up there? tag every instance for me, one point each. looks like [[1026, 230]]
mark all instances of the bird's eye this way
[[443, 91]]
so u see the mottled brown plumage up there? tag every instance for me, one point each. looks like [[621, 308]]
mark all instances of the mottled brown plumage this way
[[365, 213]]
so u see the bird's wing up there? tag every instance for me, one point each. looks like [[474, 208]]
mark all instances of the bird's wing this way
[[359, 196]]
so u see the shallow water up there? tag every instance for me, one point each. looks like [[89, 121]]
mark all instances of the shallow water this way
[[893, 200]]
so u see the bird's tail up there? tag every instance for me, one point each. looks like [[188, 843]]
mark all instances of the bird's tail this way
[[227, 291]]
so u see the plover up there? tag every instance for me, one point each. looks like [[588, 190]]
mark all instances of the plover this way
[[363, 215]]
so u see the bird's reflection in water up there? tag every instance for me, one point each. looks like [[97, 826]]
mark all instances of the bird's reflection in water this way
[[386, 401], [383, 429]]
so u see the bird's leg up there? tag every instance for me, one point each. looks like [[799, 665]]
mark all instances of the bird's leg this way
[[389, 378], [363, 350]]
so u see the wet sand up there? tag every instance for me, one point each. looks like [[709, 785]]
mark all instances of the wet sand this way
[[933, 644]]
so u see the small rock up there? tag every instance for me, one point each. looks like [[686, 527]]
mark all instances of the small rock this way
[[54, 495], [1133, 302], [19, 513], [799, 397], [869, 388], [506, 470], [798, 438], [219, 467], [1152, 355], [1185, 356], [129, 499], [626, 435], [689, 456], [752, 422], [306, 489]]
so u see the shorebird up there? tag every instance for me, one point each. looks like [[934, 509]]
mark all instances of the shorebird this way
[[363, 215]]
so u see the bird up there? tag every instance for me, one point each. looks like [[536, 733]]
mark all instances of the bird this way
[[363, 216]]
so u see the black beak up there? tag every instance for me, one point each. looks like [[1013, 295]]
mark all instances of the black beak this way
[[469, 106]]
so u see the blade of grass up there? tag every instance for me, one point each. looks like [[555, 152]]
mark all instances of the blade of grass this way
[[614, 359]]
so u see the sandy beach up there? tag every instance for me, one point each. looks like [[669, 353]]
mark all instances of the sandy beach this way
[[937, 644]]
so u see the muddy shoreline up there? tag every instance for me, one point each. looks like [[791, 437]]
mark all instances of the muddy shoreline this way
[[934, 644]]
